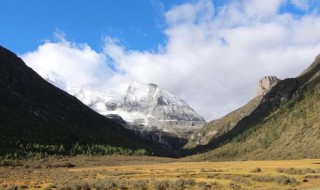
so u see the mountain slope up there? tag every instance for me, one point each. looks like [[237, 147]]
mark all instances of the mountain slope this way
[[140, 104], [285, 125], [157, 107], [219, 127], [216, 128], [34, 111]]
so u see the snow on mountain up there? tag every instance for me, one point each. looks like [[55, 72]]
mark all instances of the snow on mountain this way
[[140, 104]]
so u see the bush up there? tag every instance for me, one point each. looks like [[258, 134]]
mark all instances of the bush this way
[[284, 180], [160, 184], [140, 185], [256, 170], [190, 182], [234, 186], [214, 185], [295, 171], [210, 170], [261, 178], [202, 185], [178, 184]]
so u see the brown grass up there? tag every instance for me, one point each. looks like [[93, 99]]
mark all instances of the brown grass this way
[[118, 172]]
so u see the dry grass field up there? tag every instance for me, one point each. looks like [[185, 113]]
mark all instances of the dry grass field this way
[[119, 172]]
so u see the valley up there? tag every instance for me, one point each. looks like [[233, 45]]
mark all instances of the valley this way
[[121, 172], [160, 95], [76, 118]]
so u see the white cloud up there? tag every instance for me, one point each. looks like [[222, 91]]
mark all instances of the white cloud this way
[[189, 13], [75, 63], [301, 4], [213, 58], [261, 9]]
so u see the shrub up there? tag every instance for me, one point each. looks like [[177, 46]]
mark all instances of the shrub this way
[[190, 182], [178, 184], [140, 185], [202, 185], [240, 179], [214, 185], [210, 170], [296, 171], [160, 184], [256, 170], [284, 180], [234, 186], [261, 178]]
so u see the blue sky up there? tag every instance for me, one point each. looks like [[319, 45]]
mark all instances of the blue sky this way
[[26, 24], [210, 53], [138, 24]]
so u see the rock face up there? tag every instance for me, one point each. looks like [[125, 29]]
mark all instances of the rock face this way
[[140, 104], [265, 85], [154, 107]]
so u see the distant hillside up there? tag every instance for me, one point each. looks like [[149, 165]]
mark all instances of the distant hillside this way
[[34, 111], [284, 125], [220, 127]]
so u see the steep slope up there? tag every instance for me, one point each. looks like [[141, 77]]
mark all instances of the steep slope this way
[[216, 128], [152, 106], [285, 125], [34, 111], [219, 127]]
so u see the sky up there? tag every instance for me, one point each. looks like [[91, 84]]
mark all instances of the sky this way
[[210, 53]]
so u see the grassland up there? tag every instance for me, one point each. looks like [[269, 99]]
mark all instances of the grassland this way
[[121, 172], [290, 132]]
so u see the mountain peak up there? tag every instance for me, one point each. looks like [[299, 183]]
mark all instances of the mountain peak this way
[[141, 103], [265, 85], [141, 85], [155, 107]]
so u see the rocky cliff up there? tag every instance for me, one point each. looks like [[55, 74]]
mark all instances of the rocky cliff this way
[[150, 105], [265, 85]]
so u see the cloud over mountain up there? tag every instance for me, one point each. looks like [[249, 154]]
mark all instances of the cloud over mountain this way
[[213, 57]]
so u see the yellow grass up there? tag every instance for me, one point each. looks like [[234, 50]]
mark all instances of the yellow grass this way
[[216, 175]]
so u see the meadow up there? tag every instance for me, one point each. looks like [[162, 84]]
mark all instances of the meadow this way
[[142, 172]]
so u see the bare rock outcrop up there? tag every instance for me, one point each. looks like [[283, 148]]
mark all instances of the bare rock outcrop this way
[[265, 85]]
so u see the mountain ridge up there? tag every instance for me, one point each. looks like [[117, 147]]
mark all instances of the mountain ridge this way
[[276, 128], [34, 111], [144, 104]]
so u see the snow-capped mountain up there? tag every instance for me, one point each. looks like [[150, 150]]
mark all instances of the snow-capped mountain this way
[[140, 104], [150, 105]]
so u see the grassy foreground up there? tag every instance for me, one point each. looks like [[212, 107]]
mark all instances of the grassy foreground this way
[[121, 172]]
